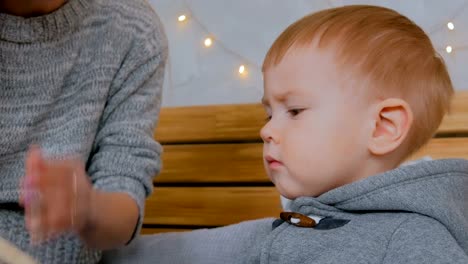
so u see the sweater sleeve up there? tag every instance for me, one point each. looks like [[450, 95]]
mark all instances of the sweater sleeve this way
[[125, 157], [235, 244], [423, 240]]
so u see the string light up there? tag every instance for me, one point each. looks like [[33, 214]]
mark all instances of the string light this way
[[450, 26], [242, 70], [458, 13], [182, 18], [208, 42], [219, 43]]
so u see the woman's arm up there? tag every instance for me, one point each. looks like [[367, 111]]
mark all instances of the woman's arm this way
[[125, 157], [112, 222], [103, 200]]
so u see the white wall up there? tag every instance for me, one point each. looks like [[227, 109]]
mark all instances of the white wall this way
[[243, 30]]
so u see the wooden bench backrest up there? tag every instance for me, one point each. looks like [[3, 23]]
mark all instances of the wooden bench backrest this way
[[213, 171]]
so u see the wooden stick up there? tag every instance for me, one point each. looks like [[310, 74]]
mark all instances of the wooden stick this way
[[10, 254]]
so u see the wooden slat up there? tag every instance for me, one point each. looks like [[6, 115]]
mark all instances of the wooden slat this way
[[457, 120], [221, 163], [213, 163], [242, 122], [210, 206], [442, 148]]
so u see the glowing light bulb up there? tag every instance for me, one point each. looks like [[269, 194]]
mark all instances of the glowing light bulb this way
[[449, 49], [242, 69], [182, 18], [450, 26], [208, 42]]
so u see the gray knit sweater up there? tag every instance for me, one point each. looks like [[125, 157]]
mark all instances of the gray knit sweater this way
[[85, 80]]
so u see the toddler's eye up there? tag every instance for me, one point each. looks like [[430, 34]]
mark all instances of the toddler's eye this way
[[295, 112], [268, 118]]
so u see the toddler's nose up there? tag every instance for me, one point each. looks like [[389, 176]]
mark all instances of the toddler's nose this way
[[267, 133]]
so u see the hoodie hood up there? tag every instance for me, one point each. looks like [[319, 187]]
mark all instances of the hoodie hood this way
[[436, 189]]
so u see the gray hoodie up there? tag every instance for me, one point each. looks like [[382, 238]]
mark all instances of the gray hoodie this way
[[413, 214]]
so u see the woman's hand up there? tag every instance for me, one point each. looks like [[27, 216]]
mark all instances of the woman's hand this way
[[56, 195]]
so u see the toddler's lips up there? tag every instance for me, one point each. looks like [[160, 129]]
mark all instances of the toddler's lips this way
[[272, 162]]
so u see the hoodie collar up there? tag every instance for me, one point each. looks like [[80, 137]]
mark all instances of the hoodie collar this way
[[436, 189]]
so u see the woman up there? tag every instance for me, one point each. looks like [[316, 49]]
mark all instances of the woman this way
[[80, 93]]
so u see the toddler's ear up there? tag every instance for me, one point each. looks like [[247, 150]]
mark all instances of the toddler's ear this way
[[393, 119]]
